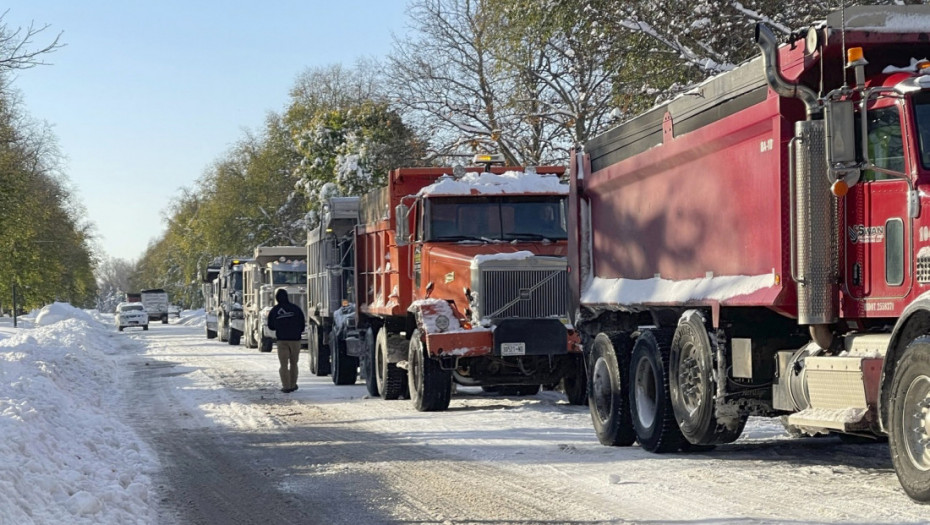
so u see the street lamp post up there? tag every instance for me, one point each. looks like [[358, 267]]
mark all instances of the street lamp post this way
[[14, 302], [15, 275]]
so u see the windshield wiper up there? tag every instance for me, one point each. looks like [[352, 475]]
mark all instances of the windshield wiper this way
[[459, 238], [530, 236]]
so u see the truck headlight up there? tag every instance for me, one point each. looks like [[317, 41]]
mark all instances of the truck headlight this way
[[442, 323]]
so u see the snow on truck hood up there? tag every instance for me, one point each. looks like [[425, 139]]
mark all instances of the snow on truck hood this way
[[510, 182], [513, 256]]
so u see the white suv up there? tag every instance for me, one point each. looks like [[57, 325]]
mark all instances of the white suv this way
[[131, 314]]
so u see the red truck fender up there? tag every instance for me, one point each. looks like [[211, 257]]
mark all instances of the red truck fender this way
[[914, 322], [446, 331]]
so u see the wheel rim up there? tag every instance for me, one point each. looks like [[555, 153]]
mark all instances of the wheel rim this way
[[916, 422], [416, 372], [379, 370], [645, 389], [690, 379], [602, 390]]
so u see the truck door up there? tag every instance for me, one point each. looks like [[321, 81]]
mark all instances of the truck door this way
[[877, 229], [417, 255]]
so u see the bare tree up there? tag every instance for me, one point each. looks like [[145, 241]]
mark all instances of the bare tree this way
[[567, 78], [113, 275], [454, 89], [17, 46], [337, 86]]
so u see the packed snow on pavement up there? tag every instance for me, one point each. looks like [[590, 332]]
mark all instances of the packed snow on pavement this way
[[68, 456]]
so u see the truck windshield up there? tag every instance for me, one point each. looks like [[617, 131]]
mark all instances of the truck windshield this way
[[922, 116], [289, 277], [235, 280], [505, 218]]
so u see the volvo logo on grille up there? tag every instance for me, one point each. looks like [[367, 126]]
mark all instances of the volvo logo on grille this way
[[525, 294]]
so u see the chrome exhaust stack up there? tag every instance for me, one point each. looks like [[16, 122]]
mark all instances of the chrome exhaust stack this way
[[813, 206]]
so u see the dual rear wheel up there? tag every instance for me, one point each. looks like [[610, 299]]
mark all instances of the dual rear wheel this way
[[390, 379], [658, 390], [318, 352], [344, 366]]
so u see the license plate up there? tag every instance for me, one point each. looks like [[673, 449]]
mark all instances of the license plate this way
[[513, 348]]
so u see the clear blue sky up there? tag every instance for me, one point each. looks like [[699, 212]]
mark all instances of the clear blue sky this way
[[146, 95]]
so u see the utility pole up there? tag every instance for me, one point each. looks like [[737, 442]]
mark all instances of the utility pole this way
[[14, 301], [15, 275]]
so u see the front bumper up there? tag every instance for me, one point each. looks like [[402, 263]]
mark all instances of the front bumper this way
[[510, 338]]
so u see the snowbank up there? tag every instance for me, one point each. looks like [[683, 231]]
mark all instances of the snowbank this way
[[56, 312], [192, 317], [65, 458]]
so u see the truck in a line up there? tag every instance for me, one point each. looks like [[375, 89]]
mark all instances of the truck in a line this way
[[762, 248], [460, 276], [230, 318], [271, 268], [330, 291], [156, 304], [210, 290]]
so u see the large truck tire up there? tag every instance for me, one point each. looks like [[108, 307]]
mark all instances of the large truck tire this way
[[164, 319], [266, 344], [250, 341], [693, 385], [608, 389], [211, 334], [345, 367], [319, 353], [367, 365], [390, 379], [430, 385], [234, 336], [908, 436], [650, 403], [575, 382]]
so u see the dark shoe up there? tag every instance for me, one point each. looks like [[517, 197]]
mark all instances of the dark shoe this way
[[286, 390], [295, 388]]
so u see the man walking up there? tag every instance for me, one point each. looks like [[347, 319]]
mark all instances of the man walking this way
[[287, 320]]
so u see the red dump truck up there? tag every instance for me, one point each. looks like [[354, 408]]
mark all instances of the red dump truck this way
[[459, 275], [761, 247]]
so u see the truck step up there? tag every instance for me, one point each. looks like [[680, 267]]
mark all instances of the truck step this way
[[848, 419]]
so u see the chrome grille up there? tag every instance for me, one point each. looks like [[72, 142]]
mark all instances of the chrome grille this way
[[923, 269], [525, 289]]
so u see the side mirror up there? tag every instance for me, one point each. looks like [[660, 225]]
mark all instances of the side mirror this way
[[841, 141], [401, 224]]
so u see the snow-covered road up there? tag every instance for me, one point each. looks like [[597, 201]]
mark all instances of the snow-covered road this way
[[218, 443]]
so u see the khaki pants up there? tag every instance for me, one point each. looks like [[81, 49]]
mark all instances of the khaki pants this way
[[288, 354]]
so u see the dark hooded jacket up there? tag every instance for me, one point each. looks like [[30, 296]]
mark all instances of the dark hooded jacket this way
[[286, 318]]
